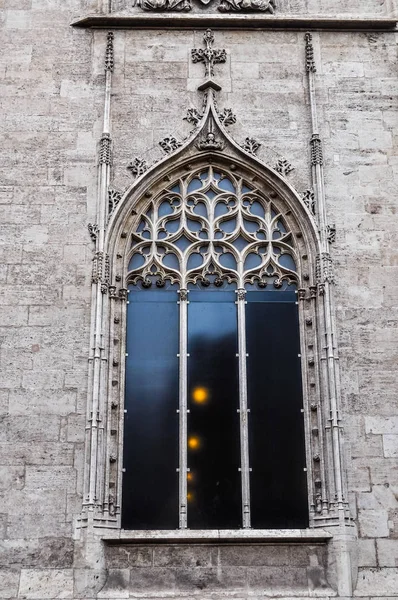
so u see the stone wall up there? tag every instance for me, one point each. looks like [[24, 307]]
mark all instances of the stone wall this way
[[52, 89]]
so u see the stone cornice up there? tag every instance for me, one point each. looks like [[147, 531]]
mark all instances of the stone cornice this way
[[245, 21]]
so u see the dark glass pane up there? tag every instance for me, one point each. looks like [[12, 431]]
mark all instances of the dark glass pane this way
[[150, 483], [276, 426], [214, 498]]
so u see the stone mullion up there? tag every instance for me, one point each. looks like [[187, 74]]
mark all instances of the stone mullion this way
[[321, 479], [112, 381], [304, 337], [183, 408], [243, 410], [119, 404]]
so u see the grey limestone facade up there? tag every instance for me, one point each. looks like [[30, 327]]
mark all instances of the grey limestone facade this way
[[101, 103]]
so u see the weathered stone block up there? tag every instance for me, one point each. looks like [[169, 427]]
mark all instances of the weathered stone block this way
[[373, 523], [9, 582], [387, 553], [122, 556], [383, 425], [183, 556], [377, 582], [46, 583], [390, 445], [41, 553]]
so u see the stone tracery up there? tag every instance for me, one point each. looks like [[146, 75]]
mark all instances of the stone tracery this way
[[209, 227]]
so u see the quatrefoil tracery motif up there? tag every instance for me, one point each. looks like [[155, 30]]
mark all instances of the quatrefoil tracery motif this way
[[208, 228]]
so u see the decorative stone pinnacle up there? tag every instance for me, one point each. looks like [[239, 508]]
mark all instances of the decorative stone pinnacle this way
[[209, 56], [309, 54], [109, 61]]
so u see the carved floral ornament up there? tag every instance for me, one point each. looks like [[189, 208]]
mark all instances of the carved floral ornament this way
[[223, 5]]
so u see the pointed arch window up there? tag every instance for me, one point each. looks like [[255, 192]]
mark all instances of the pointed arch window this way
[[214, 430]]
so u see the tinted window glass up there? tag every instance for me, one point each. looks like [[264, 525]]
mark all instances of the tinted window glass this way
[[276, 426], [214, 498], [150, 482]]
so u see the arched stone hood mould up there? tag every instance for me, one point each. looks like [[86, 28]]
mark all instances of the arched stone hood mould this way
[[228, 152]]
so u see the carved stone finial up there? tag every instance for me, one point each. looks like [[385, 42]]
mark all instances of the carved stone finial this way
[[209, 56], [251, 145], [283, 166], [316, 150], [109, 62], [169, 144], [105, 149], [137, 167], [309, 54]]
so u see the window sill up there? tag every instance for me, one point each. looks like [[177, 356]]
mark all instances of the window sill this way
[[218, 535], [343, 22]]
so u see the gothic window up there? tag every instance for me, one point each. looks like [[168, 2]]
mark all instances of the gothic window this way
[[213, 424]]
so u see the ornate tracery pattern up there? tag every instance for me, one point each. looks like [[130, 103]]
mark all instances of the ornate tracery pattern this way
[[211, 227]]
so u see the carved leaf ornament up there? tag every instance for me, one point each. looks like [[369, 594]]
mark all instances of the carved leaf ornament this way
[[211, 227], [224, 5]]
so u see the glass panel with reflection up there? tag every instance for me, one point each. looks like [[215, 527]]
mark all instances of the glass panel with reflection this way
[[276, 425], [214, 498], [150, 481]]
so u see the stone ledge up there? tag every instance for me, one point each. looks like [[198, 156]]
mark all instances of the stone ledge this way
[[246, 21], [218, 536]]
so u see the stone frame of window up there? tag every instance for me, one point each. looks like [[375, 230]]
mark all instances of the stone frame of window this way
[[321, 386], [104, 499]]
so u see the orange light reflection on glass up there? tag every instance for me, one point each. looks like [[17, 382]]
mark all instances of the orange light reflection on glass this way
[[193, 442], [190, 496], [190, 476], [200, 395]]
